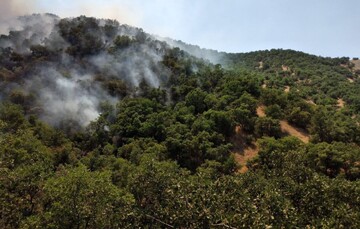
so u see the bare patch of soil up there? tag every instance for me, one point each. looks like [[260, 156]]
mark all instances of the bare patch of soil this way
[[310, 102], [242, 158], [287, 89], [340, 103], [285, 68], [294, 131], [242, 152], [286, 128], [260, 111], [261, 65], [356, 64]]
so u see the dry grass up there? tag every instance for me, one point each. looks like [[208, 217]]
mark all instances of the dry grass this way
[[261, 65], [242, 152], [354, 69], [294, 131], [340, 103], [286, 128], [285, 68], [260, 111], [287, 89], [242, 158], [356, 64], [311, 102]]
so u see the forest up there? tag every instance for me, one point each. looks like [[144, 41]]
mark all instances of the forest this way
[[105, 126]]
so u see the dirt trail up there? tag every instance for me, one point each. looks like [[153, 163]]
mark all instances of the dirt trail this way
[[294, 131], [242, 152], [286, 127]]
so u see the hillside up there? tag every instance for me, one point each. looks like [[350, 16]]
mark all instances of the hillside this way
[[105, 126]]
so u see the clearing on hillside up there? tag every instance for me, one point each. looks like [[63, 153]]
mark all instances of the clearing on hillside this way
[[294, 131], [260, 111], [243, 152], [356, 64], [286, 128], [242, 158]]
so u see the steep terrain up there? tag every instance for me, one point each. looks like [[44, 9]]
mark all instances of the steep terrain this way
[[105, 126]]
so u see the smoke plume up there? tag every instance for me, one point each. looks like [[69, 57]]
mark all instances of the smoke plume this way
[[66, 86], [10, 10]]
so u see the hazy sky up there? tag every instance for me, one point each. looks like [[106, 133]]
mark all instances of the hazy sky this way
[[321, 27]]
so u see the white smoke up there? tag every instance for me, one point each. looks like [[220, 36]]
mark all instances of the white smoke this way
[[72, 97], [213, 56], [69, 88], [130, 64], [26, 31]]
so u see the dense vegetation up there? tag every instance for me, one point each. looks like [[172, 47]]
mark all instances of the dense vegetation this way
[[160, 152]]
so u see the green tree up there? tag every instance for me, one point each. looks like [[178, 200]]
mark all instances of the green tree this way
[[196, 99], [82, 199], [299, 118], [25, 164], [274, 111], [266, 126]]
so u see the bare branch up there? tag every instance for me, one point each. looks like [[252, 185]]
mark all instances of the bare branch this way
[[162, 222], [223, 225]]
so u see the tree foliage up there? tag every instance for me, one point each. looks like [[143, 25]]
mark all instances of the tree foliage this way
[[163, 154]]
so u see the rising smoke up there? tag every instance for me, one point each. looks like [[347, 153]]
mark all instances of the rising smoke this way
[[10, 10], [66, 88], [211, 55]]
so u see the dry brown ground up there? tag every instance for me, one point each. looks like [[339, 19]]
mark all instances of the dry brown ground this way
[[244, 153], [285, 68], [261, 64], [260, 111], [294, 131], [310, 102], [355, 68], [287, 89], [287, 128], [340, 103], [242, 158], [357, 64]]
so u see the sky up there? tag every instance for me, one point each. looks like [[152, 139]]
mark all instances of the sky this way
[[320, 27]]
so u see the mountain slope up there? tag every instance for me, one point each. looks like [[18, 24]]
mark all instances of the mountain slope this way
[[105, 126], [77, 63]]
